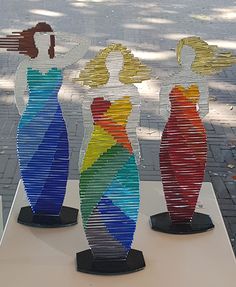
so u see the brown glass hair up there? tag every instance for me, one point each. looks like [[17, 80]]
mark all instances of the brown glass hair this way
[[24, 43]]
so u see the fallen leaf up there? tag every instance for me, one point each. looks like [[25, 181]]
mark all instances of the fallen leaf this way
[[213, 99], [202, 17], [230, 165]]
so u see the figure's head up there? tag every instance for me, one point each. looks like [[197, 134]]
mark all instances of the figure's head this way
[[30, 41], [187, 47], [115, 58], [43, 41], [114, 62], [204, 58], [187, 57]]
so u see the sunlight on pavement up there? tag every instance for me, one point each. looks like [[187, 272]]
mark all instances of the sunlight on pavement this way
[[227, 44], [226, 13], [7, 84], [81, 5], [95, 1], [224, 86], [157, 21], [137, 26], [47, 13], [161, 56], [176, 36]]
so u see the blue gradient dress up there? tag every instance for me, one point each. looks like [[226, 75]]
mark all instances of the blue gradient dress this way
[[42, 143]]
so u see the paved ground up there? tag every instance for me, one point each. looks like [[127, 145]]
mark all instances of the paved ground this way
[[151, 29]]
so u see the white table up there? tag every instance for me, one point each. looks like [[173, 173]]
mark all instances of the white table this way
[[31, 257], [1, 217]]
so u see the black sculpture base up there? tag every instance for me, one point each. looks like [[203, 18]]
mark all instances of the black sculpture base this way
[[87, 264], [67, 217], [162, 222]]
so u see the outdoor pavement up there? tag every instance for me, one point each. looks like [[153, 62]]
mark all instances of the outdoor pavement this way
[[151, 29]]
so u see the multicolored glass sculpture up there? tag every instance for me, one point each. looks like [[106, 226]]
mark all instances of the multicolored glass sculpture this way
[[109, 182], [109, 177]]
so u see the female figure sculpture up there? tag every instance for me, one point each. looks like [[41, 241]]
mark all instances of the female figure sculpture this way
[[109, 178], [42, 142], [183, 149]]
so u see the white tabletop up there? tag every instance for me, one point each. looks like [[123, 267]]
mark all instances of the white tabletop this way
[[32, 257], [1, 217]]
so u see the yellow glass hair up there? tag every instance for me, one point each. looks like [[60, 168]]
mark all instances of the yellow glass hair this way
[[95, 73], [208, 60]]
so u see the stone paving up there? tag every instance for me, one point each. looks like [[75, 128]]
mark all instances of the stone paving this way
[[147, 28]]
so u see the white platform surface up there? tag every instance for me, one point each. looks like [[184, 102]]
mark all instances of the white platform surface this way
[[31, 257], [1, 218]]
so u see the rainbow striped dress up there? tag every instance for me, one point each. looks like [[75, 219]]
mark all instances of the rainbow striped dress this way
[[42, 143], [109, 182]]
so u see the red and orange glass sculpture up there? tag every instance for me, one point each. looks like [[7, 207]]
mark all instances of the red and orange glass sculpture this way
[[183, 153], [183, 149]]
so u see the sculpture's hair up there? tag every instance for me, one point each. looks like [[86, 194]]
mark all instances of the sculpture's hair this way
[[24, 43], [95, 73], [208, 59]]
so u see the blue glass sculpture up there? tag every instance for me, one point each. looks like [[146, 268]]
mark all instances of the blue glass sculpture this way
[[43, 148], [42, 141]]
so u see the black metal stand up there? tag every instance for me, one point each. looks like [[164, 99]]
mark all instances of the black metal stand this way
[[162, 222], [68, 217], [87, 264]]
